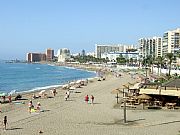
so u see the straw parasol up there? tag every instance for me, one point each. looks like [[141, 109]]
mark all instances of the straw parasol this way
[[144, 97], [131, 83], [126, 86], [116, 91]]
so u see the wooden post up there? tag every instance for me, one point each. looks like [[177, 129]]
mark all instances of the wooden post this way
[[124, 110], [123, 92], [117, 98]]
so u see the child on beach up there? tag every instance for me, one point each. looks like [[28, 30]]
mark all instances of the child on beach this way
[[5, 122], [38, 106]]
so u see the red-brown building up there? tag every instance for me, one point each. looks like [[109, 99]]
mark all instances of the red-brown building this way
[[35, 57], [49, 54]]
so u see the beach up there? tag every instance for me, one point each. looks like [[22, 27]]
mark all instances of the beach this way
[[76, 117]]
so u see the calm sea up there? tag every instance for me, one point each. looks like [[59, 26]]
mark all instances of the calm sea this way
[[31, 77]]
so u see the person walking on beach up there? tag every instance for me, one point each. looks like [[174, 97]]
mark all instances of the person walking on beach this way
[[92, 99], [30, 105], [4, 98], [5, 122], [68, 94], [86, 99], [9, 98], [66, 97], [54, 92]]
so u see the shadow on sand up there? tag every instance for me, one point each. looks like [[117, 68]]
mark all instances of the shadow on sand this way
[[13, 128], [165, 123], [119, 122]]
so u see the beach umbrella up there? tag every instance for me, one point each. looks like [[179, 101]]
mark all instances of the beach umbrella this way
[[65, 86], [136, 86], [13, 92], [126, 86], [72, 83], [72, 88], [116, 91], [130, 83], [42, 92], [144, 97], [78, 81]]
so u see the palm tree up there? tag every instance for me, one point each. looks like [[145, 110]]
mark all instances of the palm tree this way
[[170, 57], [159, 62], [150, 62]]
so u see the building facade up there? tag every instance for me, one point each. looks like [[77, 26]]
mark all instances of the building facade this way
[[127, 55], [63, 55], [171, 42], [150, 47], [100, 49], [35, 57], [49, 54], [83, 53]]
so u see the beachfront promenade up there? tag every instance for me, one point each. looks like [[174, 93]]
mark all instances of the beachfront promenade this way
[[75, 117]]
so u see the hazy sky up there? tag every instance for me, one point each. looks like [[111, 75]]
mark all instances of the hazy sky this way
[[34, 25]]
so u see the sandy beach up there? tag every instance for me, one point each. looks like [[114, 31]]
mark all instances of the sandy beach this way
[[75, 117]]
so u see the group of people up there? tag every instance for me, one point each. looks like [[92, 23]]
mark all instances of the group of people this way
[[9, 99], [91, 100], [32, 108]]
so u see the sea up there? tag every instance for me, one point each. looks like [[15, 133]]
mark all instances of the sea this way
[[23, 77]]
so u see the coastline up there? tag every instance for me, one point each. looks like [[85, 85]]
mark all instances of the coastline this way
[[55, 85], [36, 90]]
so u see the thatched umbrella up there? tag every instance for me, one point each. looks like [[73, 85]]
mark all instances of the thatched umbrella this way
[[116, 91], [126, 86], [131, 83], [144, 97]]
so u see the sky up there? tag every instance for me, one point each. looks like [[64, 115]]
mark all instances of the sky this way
[[34, 25]]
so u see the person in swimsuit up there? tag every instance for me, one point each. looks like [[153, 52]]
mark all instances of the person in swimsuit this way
[[5, 122], [30, 105]]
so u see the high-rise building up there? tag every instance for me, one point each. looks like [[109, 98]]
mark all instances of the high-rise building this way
[[83, 53], [150, 47], [158, 44], [35, 57], [171, 42], [101, 49], [49, 54], [63, 55]]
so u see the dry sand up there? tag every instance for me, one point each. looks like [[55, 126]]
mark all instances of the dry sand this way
[[75, 117]]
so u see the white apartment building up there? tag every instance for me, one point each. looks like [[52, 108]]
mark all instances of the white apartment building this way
[[171, 42], [104, 48], [150, 47], [127, 55], [63, 55]]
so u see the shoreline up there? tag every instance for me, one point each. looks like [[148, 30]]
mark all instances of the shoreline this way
[[59, 85]]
